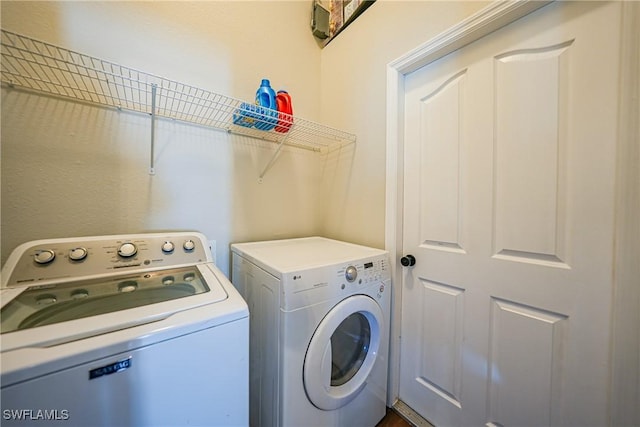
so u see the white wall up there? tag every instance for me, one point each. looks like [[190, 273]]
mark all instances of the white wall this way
[[71, 169], [353, 98]]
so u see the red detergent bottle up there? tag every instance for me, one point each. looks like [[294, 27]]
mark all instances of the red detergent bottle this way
[[285, 111]]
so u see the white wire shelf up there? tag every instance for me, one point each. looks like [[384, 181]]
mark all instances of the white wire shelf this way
[[43, 67]]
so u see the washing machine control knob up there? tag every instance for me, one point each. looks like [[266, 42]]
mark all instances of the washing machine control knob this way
[[351, 274], [168, 247], [127, 250], [78, 254], [189, 245], [44, 257]]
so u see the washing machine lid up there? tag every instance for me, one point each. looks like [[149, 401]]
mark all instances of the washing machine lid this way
[[49, 314], [283, 256]]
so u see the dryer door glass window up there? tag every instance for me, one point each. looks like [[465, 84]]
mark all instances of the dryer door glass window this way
[[349, 347], [342, 352]]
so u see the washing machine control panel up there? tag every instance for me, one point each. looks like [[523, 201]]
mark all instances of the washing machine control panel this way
[[45, 260]]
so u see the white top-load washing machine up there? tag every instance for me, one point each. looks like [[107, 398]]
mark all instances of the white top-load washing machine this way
[[128, 330], [319, 331]]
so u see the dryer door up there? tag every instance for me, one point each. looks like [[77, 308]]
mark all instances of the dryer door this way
[[342, 352]]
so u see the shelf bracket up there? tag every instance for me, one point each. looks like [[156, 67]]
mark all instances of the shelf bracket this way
[[273, 159], [154, 88]]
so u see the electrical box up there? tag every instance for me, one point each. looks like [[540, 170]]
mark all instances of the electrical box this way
[[320, 21]]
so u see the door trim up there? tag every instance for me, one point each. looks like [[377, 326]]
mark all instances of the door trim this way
[[625, 352], [493, 17]]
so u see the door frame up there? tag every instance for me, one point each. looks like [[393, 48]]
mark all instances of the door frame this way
[[494, 16]]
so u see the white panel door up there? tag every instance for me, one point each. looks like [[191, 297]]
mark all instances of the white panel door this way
[[509, 212]]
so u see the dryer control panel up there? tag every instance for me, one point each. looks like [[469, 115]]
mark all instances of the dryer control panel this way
[[304, 287], [48, 260], [368, 271]]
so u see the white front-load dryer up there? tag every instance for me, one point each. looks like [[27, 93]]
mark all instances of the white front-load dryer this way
[[319, 331]]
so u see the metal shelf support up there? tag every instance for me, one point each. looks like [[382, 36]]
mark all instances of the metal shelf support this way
[[272, 161], [154, 89]]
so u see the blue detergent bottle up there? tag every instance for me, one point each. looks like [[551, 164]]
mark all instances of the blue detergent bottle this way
[[267, 109]]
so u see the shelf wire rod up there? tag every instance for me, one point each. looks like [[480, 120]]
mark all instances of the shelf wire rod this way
[[47, 83], [126, 96], [87, 80], [64, 69], [111, 97], [210, 115], [225, 112], [136, 92], [11, 49], [30, 70], [55, 81], [207, 108], [189, 101], [36, 68], [154, 88], [73, 71], [209, 111], [196, 107], [93, 78], [172, 99], [114, 84], [81, 82]]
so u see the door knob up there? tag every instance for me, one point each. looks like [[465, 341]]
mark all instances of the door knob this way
[[408, 260]]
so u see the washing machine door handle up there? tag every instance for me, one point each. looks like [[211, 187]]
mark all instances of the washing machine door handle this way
[[329, 383]]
